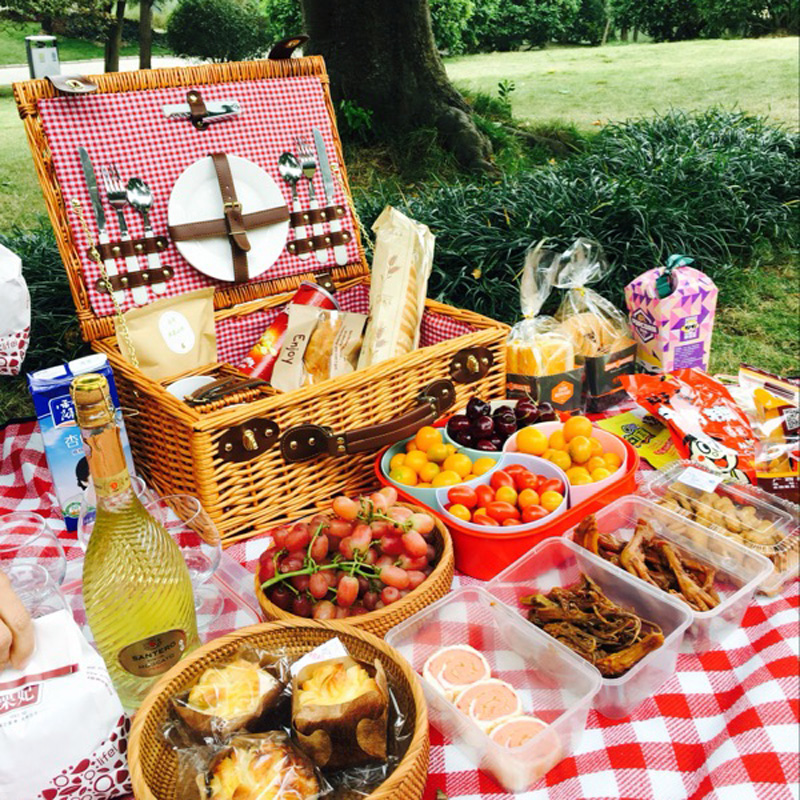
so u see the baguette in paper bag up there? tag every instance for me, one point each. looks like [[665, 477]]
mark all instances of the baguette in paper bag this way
[[401, 267]]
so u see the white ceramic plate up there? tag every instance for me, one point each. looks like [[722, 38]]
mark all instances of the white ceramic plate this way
[[196, 197]]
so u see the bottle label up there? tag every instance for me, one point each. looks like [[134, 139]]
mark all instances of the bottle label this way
[[176, 331], [105, 487], [154, 655]]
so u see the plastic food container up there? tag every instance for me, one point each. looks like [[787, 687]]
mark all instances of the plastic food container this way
[[553, 684], [739, 571], [770, 528], [482, 554], [538, 466], [610, 442], [560, 562], [412, 493]]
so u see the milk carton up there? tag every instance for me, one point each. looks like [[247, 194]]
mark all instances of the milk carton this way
[[62, 437], [672, 316]]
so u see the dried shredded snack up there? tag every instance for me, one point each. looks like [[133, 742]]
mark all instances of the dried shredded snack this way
[[608, 636]]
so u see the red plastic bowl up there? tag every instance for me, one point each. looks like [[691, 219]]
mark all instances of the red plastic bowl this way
[[483, 555]]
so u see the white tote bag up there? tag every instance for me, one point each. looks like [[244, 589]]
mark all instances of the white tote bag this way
[[15, 313]]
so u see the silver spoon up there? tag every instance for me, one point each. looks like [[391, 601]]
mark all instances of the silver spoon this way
[[140, 197], [291, 171]]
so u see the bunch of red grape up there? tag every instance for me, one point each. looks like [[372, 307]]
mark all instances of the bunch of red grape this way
[[367, 554]]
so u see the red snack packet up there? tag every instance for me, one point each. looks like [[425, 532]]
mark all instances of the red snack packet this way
[[705, 423]]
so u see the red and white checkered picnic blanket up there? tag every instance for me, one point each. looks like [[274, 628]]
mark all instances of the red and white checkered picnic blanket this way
[[726, 726]]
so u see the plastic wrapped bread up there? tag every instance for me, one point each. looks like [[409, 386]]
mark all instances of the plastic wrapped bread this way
[[401, 267]]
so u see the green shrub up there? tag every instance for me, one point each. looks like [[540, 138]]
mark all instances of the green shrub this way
[[450, 19], [217, 30], [283, 18], [587, 26], [719, 186]]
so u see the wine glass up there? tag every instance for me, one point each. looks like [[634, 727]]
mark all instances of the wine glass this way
[[36, 590], [88, 512], [26, 538], [198, 539]]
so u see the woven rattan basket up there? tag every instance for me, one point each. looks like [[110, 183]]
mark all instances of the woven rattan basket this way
[[436, 585], [153, 765], [258, 457]]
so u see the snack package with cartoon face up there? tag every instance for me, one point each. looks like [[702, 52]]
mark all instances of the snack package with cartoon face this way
[[706, 424]]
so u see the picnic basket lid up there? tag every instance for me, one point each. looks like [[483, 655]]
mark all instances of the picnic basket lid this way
[[49, 141]]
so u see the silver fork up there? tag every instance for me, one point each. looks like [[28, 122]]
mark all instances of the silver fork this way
[[309, 164], [118, 199]]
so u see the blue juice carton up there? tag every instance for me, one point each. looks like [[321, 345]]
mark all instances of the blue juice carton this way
[[63, 446]]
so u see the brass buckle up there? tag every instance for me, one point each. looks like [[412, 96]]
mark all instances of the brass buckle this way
[[232, 204]]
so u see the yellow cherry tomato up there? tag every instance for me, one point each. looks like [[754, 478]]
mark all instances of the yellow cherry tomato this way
[[596, 462], [460, 463], [600, 474], [451, 449], [578, 476], [548, 454], [437, 453], [398, 459], [507, 494], [404, 475], [415, 460], [612, 460], [561, 459], [411, 445], [482, 465], [557, 440], [531, 441], [550, 501], [446, 477], [460, 512], [580, 451], [577, 426], [427, 437], [528, 497], [597, 448], [429, 471], [424, 485]]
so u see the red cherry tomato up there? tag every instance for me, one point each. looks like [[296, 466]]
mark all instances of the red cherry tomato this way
[[500, 511], [534, 513], [551, 485], [501, 478], [513, 469], [485, 495], [506, 522], [463, 495], [483, 519], [526, 480]]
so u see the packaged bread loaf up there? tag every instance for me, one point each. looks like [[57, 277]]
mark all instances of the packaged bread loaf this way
[[401, 267]]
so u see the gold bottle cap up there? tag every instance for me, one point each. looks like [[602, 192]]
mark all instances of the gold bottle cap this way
[[92, 399]]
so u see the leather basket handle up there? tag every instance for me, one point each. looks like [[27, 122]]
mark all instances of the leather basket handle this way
[[308, 441]]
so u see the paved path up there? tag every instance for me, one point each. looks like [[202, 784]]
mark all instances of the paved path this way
[[19, 72]]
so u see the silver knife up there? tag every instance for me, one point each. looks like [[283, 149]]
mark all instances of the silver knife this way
[[340, 251], [217, 110], [99, 215]]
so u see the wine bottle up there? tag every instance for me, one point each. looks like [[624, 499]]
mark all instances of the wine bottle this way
[[136, 587]]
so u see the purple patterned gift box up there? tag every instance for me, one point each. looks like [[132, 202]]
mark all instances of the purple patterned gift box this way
[[672, 332]]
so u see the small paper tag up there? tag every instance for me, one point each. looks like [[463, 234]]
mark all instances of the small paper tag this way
[[333, 648], [699, 480]]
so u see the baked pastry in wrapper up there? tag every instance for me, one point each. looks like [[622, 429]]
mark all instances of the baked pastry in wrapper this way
[[265, 766], [228, 698], [340, 712]]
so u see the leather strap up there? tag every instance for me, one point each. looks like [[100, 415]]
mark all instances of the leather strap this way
[[197, 108], [130, 247], [72, 84], [285, 47], [303, 442], [320, 242], [134, 278], [232, 212], [219, 227]]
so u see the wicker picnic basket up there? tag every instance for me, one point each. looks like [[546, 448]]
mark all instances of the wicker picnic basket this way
[[258, 456], [436, 585], [153, 764]]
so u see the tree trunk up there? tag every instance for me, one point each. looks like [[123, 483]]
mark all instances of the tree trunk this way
[[623, 34], [114, 40], [381, 54], [605, 31], [635, 34], [145, 34]]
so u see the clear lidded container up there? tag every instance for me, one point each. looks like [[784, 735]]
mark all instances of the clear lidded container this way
[[738, 570], [560, 562], [552, 683], [747, 514]]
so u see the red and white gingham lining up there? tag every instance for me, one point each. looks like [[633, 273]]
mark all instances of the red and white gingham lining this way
[[236, 335], [129, 130]]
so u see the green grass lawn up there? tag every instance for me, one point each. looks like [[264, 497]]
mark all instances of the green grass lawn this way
[[585, 85], [12, 45], [20, 197]]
